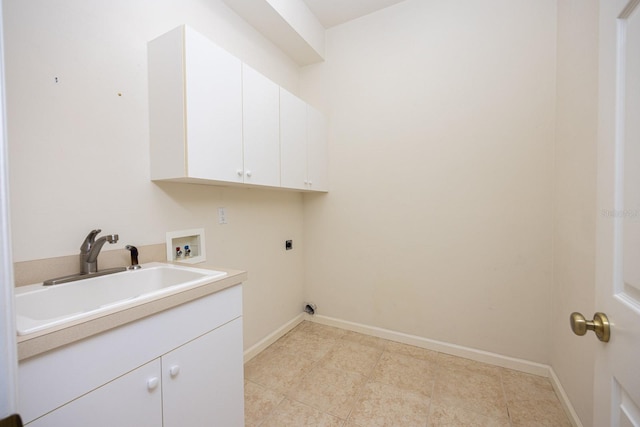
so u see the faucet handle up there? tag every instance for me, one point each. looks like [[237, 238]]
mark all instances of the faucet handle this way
[[89, 240]]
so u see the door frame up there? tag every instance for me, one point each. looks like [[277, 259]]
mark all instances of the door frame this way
[[8, 346]]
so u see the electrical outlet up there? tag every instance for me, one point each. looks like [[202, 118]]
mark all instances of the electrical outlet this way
[[222, 215]]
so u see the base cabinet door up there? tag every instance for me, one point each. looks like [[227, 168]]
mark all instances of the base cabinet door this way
[[132, 400], [203, 380]]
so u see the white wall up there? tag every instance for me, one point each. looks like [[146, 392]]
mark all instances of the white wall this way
[[439, 218], [79, 152], [573, 357]]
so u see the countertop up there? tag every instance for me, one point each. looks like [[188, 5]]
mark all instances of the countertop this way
[[39, 342]]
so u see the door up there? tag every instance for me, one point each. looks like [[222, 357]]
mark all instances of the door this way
[[202, 381], [214, 110], [317, 154], [617, 376], [8, 351], [293, 141], [261, 128], [133, 400]]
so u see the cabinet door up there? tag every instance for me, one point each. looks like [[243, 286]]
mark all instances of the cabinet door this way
[[261, 128], [203, 380], [317, 151], [166, 106], [133, 400], [293, 141], [213, 110]]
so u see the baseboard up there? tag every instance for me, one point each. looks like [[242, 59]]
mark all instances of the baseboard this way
[[564, 399], [439, 346], [255, 349]]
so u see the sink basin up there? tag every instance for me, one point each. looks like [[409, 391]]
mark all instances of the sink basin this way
[[39, 307]]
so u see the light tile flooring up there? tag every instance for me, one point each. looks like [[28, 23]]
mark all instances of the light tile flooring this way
[[318, 375]]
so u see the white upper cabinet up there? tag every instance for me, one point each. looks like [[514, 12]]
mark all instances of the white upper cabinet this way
[[215, 120], [261, 128], [195, 108], [303, 145], [317, 151], [293, 141]]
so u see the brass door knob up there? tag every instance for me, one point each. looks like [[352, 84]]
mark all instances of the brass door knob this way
[[599, 325]]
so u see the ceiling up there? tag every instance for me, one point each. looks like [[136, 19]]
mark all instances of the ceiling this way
[[334, 12]]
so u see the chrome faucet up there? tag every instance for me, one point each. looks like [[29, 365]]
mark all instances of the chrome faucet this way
[[90, 250]]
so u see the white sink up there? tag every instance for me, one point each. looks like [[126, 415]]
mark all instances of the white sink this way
[[39, 307]]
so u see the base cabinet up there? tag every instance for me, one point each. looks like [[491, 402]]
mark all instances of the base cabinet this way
[[181, 367]]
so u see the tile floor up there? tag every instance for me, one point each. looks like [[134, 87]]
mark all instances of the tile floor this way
[[318, 375]]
